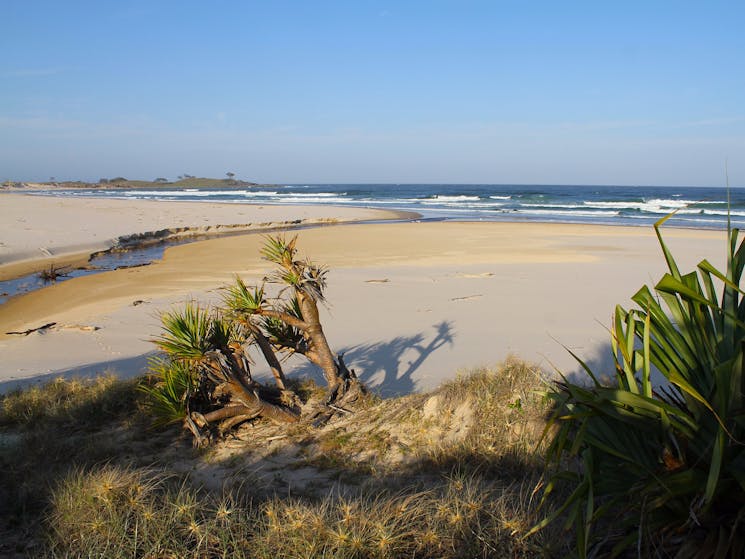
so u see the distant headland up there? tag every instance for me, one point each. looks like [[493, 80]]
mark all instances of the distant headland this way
[[184, 181]]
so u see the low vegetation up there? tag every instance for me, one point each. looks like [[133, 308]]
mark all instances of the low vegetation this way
[[53, 273], [447, 474], [657, 467], [184, 181], [205, 379]]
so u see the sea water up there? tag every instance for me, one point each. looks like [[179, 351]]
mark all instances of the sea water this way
[[698, 207]]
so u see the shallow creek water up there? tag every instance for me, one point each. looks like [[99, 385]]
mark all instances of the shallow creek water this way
[[131, 257], [101, 262]]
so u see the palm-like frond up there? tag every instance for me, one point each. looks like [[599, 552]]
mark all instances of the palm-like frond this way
[[279, 250], [282, 334], [313, 280], [188, 334], [299, 274], [242, 299], [174, 381], [671, 459]]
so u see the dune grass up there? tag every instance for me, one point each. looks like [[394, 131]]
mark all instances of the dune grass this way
[[61, 401], [124, 512], [84, 475]]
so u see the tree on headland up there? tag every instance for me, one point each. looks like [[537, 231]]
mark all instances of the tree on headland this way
[[230, 175], [161, 179], [205, 379]]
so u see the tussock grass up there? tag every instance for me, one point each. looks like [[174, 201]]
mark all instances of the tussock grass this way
[[76, 401], [46, 430], [508, 408], [124, 512]]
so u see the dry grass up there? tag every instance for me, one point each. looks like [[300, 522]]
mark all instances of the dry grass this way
[[508, 408], [79, 401], [124, 512], [449, 474]]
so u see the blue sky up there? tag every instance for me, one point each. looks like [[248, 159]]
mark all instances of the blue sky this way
[[513, 92]]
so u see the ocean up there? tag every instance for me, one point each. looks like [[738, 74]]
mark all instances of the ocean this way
[[696, 207]]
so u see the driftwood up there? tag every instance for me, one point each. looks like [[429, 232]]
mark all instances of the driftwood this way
[[32, 330]]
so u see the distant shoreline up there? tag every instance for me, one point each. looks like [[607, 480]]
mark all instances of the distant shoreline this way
[[121, 183]]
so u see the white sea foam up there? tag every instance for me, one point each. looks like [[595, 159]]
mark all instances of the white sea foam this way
[[655, 206], [568, 213], [481, 204], [565, 206], [699, 211], [678, 203], [445, 198], [315, 194], [308, 199], [259, 193]]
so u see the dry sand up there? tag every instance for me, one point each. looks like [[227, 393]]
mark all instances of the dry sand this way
[[36, 231], [411, 304]]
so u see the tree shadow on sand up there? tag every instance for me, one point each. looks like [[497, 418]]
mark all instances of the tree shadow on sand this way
[[388, 367]]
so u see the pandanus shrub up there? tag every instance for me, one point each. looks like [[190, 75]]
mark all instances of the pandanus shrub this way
[[658, 468], [205, 377]]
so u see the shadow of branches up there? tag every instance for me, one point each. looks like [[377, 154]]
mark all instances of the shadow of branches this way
[[389, 366]]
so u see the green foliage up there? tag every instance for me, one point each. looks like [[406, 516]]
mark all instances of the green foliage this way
[[303, 275], [662, 469], [241, 299], [282, 334], [278, 250], [169, 386], [215, 343], [190, 333]]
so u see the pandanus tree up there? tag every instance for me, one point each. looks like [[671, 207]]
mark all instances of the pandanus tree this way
[[205, 378]]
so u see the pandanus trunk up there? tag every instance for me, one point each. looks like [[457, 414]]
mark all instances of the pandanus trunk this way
[[229, 382], [269, 356], [321, 354]]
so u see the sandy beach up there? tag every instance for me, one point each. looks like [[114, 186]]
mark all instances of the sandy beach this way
[[36, 231], [411, 304]]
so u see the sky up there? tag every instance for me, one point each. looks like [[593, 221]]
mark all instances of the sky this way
[[430, 91]]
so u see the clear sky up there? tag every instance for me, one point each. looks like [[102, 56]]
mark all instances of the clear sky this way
[[461, 91]]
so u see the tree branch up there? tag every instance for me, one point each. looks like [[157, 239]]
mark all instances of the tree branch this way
[[284, 317]]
